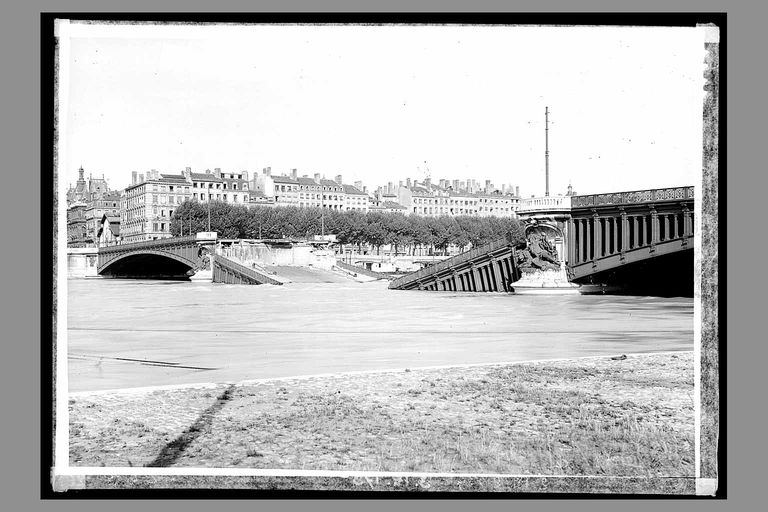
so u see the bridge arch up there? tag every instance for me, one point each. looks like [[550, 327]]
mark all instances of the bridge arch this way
[[148, 263]]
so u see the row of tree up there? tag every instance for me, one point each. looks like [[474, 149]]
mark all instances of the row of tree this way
[[405, 233]]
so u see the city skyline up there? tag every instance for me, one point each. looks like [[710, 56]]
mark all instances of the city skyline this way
[[387, 103]]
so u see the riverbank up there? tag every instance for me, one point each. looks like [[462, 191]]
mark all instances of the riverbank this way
[[590, 416]]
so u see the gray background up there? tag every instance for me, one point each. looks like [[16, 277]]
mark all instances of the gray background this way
[[20, 97]]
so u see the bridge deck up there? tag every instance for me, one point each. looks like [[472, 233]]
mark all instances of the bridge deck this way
[[491, 267], [229, 271], [611, 233]]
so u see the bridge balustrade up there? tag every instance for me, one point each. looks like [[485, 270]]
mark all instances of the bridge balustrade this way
[[609, 230], [228, 271]]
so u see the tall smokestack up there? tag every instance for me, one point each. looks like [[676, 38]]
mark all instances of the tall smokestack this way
[[338, 179], [134, 177], [517, 190], [294, 174], [317, 177]]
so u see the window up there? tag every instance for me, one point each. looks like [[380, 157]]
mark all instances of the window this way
[[194, 185], [154, 198], [162, 213]]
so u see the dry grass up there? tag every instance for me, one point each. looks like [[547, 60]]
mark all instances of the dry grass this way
[[580, 417]]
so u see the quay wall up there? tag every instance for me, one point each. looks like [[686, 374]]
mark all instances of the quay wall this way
[[82, 262], [268, 255]]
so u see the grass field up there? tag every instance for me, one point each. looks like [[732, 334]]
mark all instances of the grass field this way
[[591, 416]]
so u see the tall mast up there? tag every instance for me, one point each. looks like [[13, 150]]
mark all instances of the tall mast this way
[[546, 150]]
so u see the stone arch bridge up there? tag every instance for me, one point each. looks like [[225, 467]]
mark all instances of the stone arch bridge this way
[[176, 258]]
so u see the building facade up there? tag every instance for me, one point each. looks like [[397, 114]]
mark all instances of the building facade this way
[[432, 200], [148, 205], [109, 205], [229, 187]]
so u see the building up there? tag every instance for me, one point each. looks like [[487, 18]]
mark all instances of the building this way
[[333, 194], [284, 189], [108, 233], [355, 199], [76, 225], [306, 192], [148, 204], [388, 207], [87, 189], [107, 205], [432, 200], [87, 202], [310, 192], [257, 198], [231, 187]]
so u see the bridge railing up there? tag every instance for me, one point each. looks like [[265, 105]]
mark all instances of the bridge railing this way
[[360, 270], [452, 262], [148, 244], [533, 204], [245, 271], [634, 197]]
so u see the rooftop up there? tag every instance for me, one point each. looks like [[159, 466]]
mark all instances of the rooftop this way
[[349, 189], [284, 179], [204, 176], [393, 205]]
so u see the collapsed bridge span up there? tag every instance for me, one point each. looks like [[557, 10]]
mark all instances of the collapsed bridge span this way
[[489, 268]]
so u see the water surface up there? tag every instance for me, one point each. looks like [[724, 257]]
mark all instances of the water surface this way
[[126, 333]]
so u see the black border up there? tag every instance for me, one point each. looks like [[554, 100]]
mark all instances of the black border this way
[[48, 226]]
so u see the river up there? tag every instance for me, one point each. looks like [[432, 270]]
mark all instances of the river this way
[[125, 333]]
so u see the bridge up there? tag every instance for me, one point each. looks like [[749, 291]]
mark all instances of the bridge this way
[[489, 268], [177, 258], [636, 242], [640, 241]]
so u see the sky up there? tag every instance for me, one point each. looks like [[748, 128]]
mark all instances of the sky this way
[[386, 103]]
